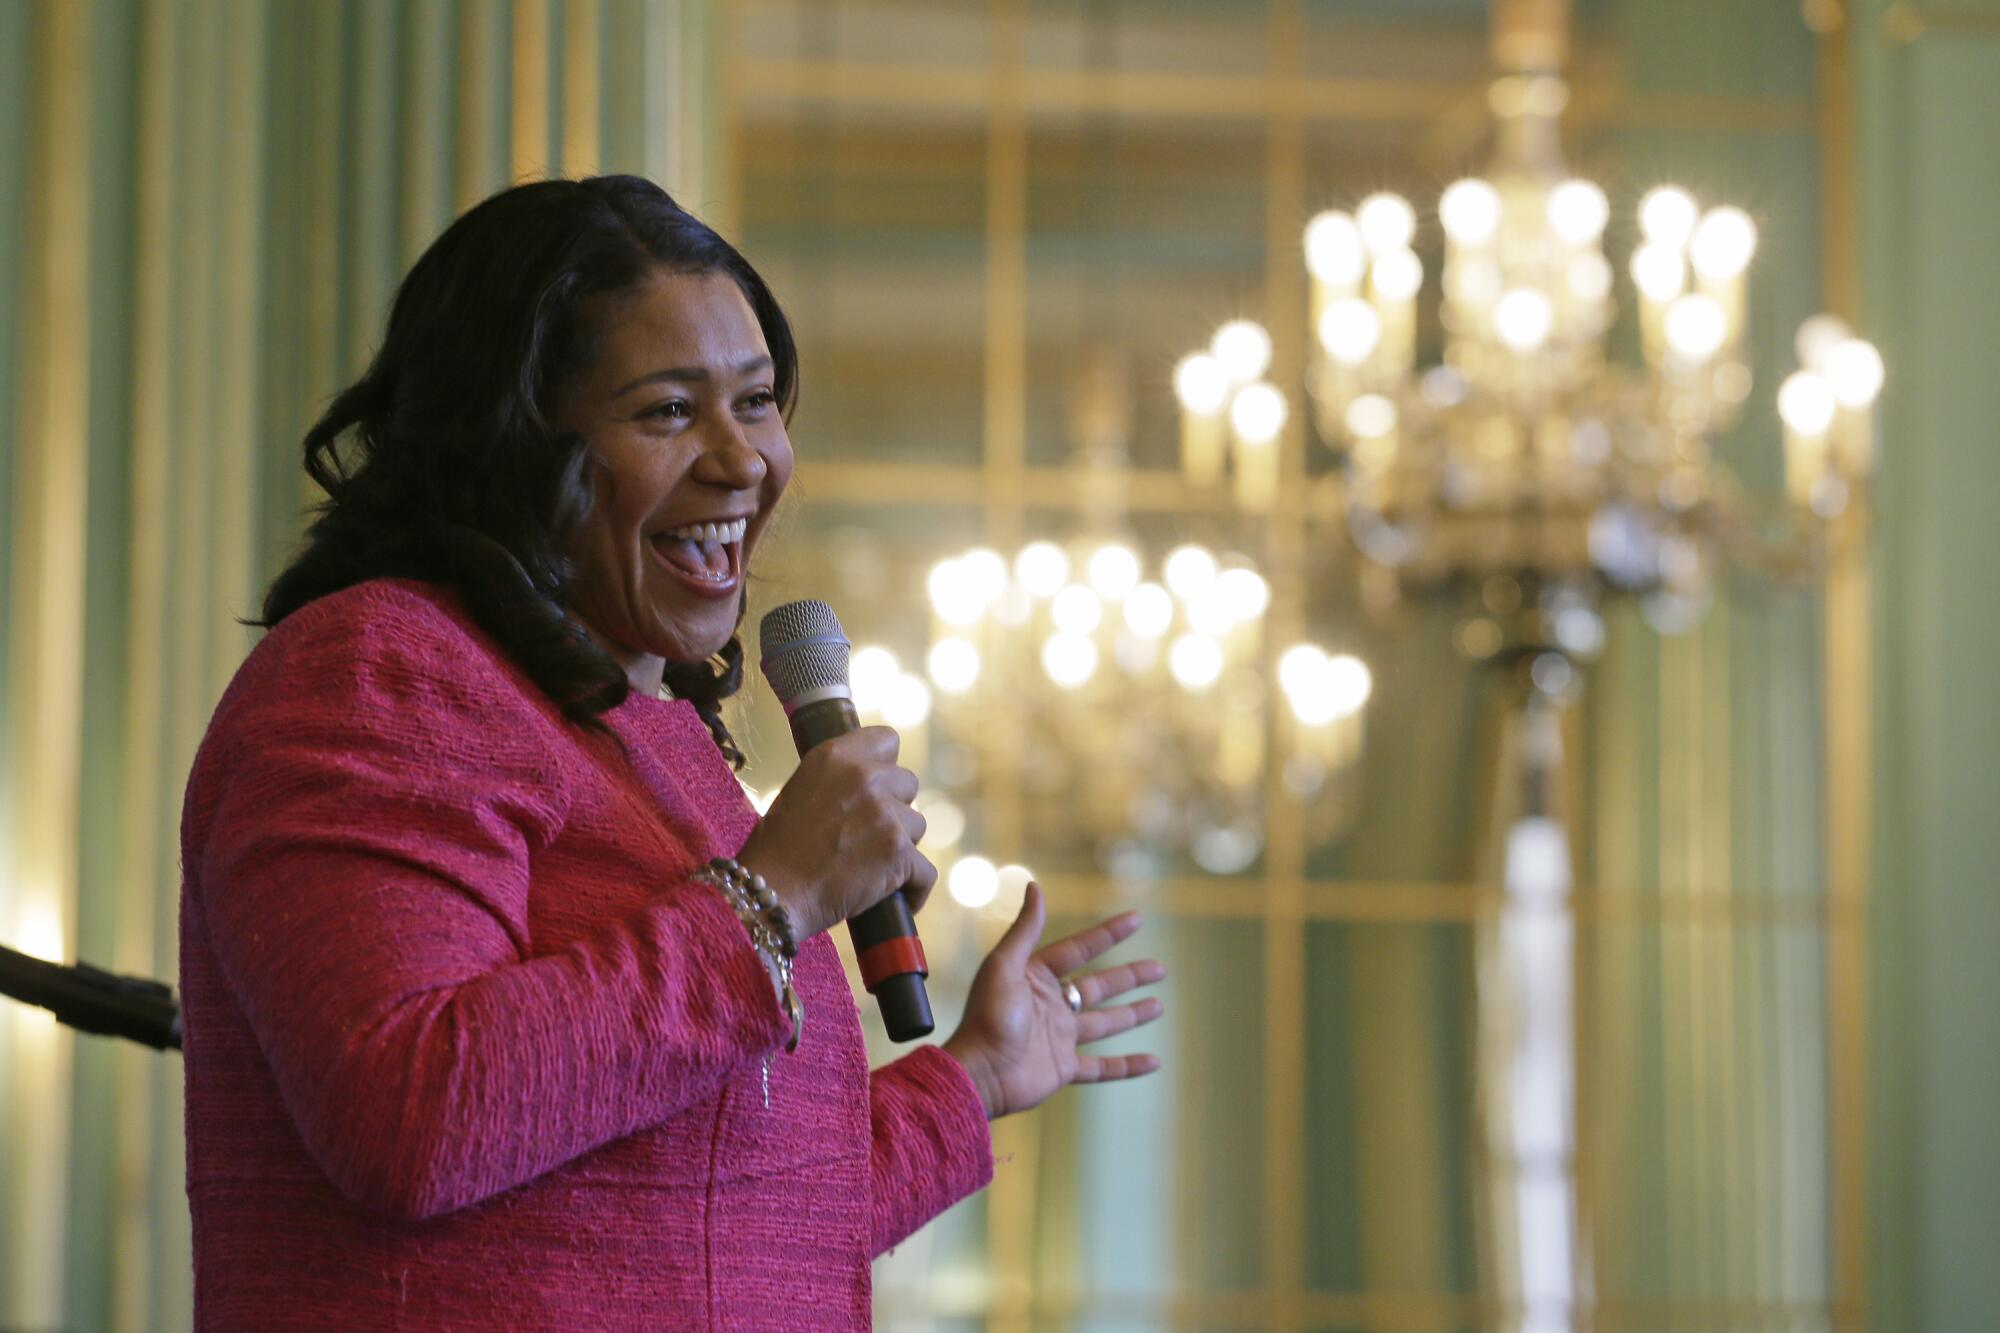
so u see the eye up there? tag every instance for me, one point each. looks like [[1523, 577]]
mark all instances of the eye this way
[[672, 409], [757, 401]]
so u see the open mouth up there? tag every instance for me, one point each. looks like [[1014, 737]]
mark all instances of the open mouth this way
[[707, 555]]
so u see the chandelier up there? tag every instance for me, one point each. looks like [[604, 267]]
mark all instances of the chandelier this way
[[1523, 478], [1527, 470]]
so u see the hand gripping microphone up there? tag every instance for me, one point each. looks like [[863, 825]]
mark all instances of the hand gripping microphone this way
[[805, 659]]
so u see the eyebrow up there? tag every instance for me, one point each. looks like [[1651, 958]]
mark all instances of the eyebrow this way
[[691, 373]]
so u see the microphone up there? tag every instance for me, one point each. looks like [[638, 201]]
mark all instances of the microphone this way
[[805, 660], [90, 999]]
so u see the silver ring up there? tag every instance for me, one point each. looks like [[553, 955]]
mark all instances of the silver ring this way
[[1074, 996]]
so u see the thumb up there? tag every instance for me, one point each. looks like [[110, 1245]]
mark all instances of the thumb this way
[[1021, 938]]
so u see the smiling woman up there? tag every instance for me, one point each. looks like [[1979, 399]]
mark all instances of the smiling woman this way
[[536, 354], [689, 460], [502, 1007]]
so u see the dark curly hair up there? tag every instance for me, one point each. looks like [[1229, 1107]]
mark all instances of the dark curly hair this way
[[444, 462]]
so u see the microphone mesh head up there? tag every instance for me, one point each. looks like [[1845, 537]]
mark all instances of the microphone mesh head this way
[[803, 649]]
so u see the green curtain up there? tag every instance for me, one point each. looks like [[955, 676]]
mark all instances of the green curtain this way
[[204, 208]]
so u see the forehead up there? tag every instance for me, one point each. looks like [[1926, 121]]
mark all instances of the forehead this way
[[674, 320]]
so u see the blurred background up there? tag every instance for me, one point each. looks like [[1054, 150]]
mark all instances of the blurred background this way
[[1524, 665]]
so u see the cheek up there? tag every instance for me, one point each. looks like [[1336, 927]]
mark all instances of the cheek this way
[[778, 462]]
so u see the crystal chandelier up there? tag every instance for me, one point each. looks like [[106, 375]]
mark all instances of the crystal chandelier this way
[[1528, 459], [1523, 479], [1153, 686], [1138, 675]]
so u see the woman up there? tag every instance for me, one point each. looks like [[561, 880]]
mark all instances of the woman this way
[[474, 1038]]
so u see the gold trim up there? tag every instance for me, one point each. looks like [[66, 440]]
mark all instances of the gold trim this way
[[923, 86], [1012, 1201], [1846, 658], [1285, 1121]]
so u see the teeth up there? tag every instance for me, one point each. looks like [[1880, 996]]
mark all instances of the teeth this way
[[731, 531]]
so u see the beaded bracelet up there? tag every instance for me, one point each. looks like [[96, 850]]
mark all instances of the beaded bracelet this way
[[771, 932]]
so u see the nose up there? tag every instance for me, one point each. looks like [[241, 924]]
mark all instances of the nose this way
[[730, 459]]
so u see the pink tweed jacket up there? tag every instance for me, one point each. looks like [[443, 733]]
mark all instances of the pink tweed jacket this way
[[467, 1048]]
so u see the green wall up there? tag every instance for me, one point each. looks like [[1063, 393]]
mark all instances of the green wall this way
[[1930, 192]]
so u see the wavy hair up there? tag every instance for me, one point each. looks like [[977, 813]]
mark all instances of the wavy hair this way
[[444, 462]]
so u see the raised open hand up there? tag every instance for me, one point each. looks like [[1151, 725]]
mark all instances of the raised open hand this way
[[1020, 1038]]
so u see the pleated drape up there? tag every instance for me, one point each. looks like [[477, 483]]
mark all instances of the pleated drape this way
[[205, 206]]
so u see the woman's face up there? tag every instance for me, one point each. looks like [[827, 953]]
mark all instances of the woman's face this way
[[680, 412]]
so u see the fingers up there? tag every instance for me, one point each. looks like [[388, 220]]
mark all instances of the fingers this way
[[1070, 954], [1097, 1024], [1108, 1068], [900, 783], [1019, 942], [878, 742], [1098, 987], [922, 879]]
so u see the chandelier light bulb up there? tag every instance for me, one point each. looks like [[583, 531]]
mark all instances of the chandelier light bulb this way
[[1371, 416], [908, 701], [1723, 243], [954, 665], [1013, 881], [1189, 569], [1818, 336], [1042, 568], [1069, 659], [1149, 610], [1523, 318], [1696, 327], [1334, 252], [1396, 275], [1588, 277], [1350, 330], [973, 882], [1195, 660], [1577, 212], [1806, 403], [1314, 707], [1853, 369], [1113, 569], [1076, 610], [1387, 222], [1299, 669], [1243, 349], [1349, 684], [955, 593], [1667, 216], [870, 672], [1201, 384], [1658, 271], [985, 574], [1470, 211], [1248, 594], [1258, 414]]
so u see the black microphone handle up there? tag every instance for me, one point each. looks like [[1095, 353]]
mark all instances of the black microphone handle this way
[[90, 999], [905, 1003]]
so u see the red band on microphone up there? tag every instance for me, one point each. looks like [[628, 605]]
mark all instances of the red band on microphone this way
[[892, 958]]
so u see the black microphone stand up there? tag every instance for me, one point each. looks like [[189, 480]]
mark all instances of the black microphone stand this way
[[90, 999]]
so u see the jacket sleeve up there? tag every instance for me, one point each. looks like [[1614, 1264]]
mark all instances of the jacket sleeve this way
[[932, 1146], [365, 835]]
